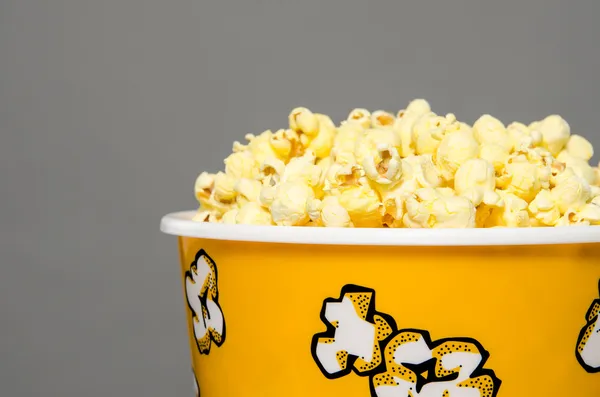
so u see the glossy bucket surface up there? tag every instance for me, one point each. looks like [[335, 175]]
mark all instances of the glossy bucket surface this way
[[271, 319]]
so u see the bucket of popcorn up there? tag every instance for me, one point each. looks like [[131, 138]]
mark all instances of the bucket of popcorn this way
[[396, 255]]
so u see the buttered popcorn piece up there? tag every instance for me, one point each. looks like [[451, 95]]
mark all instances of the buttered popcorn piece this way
[[289, 204], [435, 208], [454, 150], [413, 168], [474, 179]]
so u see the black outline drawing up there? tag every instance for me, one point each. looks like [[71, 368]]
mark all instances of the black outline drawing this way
[[382, 367], [589, 322], [203, 300], [330, 332], [431, 344]]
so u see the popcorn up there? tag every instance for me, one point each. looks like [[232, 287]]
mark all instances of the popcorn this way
[[288, 207], [571, 192], [412, 169], [361, 117], [512, 214], [224, 187], [488, 130], [454, 150], [333, 214], [384, 166], [303, 169], [252, 213], [434, 208], [579, 147], [580, 167], [555, 133], [474, 179], [229, 218], [304, 121], [382, 119], [405, 122], [241, 165], [248, 190], [429, 130], [544, 209], [495, 155], [323, 142], [362, 204]]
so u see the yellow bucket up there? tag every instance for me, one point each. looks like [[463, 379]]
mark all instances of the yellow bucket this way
[[284, 311]]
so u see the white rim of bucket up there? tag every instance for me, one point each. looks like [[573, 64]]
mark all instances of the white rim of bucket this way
[[181, 224]]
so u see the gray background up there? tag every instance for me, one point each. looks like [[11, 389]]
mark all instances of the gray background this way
[[109, 109]]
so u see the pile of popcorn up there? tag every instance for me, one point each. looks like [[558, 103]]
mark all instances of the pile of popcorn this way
[[414, 169]]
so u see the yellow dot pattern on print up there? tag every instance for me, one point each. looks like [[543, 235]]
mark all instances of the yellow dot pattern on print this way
[[413, 365], [588, 344], [202, 297], [352, 342]]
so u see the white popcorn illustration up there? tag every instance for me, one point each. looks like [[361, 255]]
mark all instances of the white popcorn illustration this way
[[588, 344], [416, 366], [355, 330], [399, 363], [202, 296]]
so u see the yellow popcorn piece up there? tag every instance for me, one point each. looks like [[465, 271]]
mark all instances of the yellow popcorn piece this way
[[488, 130], [205, 216], [288, 207], [513, 212], [570, 218], [571, 191], [343, 176], [303, 170], [523, 178], [241, 165], [304, 121], [578, 146], [422, 170], [437, 208], [321, 145], [204, 190], [313, 208], [362, 204], [260, 147], [267, 193], [368, 143], [429, 130], [588, 214], [454, 150], [361, 117], [224, 189], [544, 209], [495, 155], [333, 214], [555, 133], [473, 179], [229, 218], [384, 166], [248, 190], [521, 137], [204, 186], [252, 213], [382, 119], [416, 106], [580, 167]]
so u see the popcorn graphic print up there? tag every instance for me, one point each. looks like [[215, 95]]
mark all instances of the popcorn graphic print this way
[[588, 343], [202, 295], [398, 362]]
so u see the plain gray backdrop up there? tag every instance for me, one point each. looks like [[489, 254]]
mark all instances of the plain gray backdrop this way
[[109, 109]]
